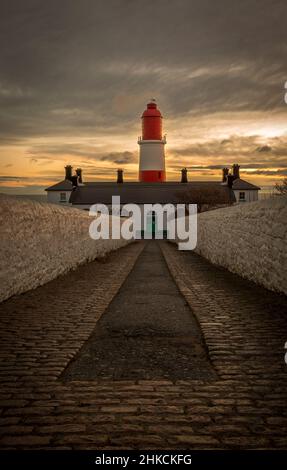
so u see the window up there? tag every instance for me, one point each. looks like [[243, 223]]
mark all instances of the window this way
[[63, 197], [242, 196]]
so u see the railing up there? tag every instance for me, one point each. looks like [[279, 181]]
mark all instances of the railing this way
[[163, 140]]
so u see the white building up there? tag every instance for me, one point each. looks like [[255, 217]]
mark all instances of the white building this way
[[60, 192], [82, 195], [244, 191]]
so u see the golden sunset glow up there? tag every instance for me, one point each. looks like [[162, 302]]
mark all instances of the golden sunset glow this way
[[72, 91], [203, 147]]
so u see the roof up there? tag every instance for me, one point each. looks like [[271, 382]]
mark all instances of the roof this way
[[64, 185], [242, 184], [148, 193]]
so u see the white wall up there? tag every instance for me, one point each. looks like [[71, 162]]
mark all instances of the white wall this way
[[250, 195], [40, 241], [248, 239], [54, 197]]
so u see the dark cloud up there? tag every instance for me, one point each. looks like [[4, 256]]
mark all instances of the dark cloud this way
[[4, 178], [238, 147], [281, 172], [88, 67], [49, 152], [244, 167], [119, 157], [264, 148], [11, 178]]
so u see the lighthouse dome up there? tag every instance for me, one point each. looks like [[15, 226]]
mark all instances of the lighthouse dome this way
[[152, 122], [151, 110]]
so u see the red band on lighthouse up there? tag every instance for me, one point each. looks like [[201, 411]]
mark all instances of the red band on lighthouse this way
[[152, 158]]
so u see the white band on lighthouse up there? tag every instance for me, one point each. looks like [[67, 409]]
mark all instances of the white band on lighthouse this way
[[152, 155]]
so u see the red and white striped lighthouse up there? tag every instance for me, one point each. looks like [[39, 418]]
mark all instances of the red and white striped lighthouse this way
[[152, 158]]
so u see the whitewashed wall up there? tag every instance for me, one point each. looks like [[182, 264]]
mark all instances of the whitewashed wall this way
[[248, 239], [54, 197], [40, 241], [250, 195]]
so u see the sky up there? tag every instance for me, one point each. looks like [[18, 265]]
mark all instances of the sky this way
[[75, 77]]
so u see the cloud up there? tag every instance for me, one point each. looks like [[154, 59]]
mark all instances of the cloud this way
[[87, 67], [12, 178], [29, 179], [80, 151], [75, 77], [53, 151], [120, 157], [264, 148], [281, 172], [236, 146]]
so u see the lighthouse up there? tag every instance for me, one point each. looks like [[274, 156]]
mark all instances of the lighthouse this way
[[151, 144]]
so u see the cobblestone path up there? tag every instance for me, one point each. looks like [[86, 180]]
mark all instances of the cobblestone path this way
[[147, 332], [243, 328]]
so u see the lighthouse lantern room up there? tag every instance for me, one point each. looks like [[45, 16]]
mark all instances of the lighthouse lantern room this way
[[152, 158]]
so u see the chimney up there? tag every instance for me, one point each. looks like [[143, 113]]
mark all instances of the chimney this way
[[120, 178], [225, 172], [184, 175], [68, 170], [230, 179], [74, 180], [236, 172], [79, 174]]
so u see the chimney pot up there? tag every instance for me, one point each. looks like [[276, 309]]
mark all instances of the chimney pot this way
[[236, 171], [120, 178], [230, 179], [225, 172], [74, 180], [68, 170], [184, 175], [79, 174]]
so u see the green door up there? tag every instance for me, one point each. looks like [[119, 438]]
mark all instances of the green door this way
[[154, 228], [151, 225]]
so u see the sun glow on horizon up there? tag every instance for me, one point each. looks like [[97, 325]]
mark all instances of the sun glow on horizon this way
[[203, 144]]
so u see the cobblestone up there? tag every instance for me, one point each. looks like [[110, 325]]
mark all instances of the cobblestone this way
[[244, 330]]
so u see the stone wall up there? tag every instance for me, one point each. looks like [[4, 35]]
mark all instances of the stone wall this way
[[248, 239], [40, 241]]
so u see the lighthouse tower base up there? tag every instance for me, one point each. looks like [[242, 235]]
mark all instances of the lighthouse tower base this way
[[152, 176]]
